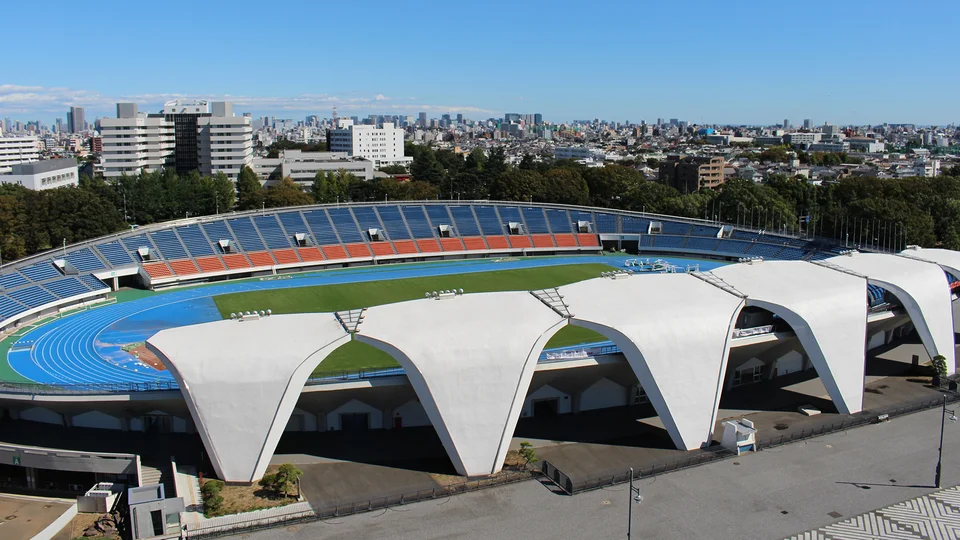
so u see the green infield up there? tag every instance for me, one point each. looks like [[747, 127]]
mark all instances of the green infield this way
[[355, 356]]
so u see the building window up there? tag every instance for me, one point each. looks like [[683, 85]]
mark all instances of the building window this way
[[748, 375]]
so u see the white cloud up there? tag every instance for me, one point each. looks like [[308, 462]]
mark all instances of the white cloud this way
[[39, 100]]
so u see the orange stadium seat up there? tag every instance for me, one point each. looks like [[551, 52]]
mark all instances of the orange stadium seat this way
[[428, 246], [451, 244], [520, 241], [235, 261], [474, 242], [565, 240], [261, 258], [543, 241], [157, 270], [588, 240], [210, 264], [381, 249], [333, 252], [184, 267], [310, 254], [405, 246], [285, 256], [497, 242], [358, 250]]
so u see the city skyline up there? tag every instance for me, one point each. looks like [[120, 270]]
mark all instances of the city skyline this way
[[755, 65]]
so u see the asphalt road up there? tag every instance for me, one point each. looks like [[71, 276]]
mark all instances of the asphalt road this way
[[767, 495]]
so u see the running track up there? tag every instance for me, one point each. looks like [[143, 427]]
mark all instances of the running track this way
[[86, 347]]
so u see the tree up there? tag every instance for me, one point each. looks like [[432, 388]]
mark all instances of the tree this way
[[249, 190], [475, 160], [393, 169], [223, 193], [285, 193], [282, 481], [528, 453], [426, 168], [939, 364], [212, 500], [565, 186], [332, 186]]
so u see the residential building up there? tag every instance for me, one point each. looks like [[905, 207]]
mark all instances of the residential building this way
[[188, 135], [769, 140], [383, 146], [689, 174], [841, 146], [801, 140], [865, 144], [576, 152], [75, 121], [16, 150], [46, 174], [96, 144], [302, 167], [830, 132]]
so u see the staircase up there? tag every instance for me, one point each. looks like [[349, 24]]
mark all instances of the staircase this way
[[156, 472]]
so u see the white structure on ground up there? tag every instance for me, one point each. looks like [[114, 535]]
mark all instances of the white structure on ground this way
[[46, 174], [303, 166], [17, 150], [472, 361], [383, 145]]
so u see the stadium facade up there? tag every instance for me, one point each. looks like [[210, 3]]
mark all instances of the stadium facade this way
[[677, 332]]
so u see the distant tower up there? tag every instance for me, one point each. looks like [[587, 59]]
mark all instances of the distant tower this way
[[807, 124], [334, 117], [786, 123]]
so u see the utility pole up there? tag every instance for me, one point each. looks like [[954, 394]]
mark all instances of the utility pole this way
[[634, 496], [943, 421]]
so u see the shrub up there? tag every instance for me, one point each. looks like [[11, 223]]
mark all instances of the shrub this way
[[939, 366], [528, 454], [212, 500], [282, 481]]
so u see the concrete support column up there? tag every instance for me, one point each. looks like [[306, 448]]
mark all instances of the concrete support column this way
[[387, 418], [67, 420], [575, 401], [31, 478], [116, 283], [124, 423], [321, 420]]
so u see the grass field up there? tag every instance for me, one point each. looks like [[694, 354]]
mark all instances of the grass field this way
[[355, 355]]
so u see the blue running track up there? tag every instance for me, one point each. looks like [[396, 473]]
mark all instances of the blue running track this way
[[86, 347]]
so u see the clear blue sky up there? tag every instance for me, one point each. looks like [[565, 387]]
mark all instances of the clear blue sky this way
[[842, 61]]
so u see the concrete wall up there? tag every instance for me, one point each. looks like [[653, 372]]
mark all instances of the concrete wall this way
[[603, 394], [547, 392], [374, 418]]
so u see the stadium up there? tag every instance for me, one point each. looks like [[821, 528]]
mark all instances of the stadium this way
[[223, 338]]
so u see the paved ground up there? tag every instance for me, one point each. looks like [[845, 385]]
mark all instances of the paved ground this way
[[23, 517], [768, 495]]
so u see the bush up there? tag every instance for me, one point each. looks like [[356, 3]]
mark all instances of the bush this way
[[939, 367], [528, 454], [212, 500], [281, 482]]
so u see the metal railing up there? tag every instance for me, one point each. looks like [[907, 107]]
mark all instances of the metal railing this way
[[88, 388]]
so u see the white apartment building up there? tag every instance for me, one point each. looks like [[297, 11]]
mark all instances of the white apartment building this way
[[302, 166], [188, 135], [799, 139], [46, 174], [17, 150], [382, 146]]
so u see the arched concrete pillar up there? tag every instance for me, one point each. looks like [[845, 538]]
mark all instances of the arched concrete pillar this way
[[241, 381], [470, 360], [674, 330]]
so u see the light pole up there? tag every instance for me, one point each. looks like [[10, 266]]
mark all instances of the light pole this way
[[633, 496], [943, 421]]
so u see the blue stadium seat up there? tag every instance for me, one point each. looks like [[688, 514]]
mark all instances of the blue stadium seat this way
[[115, 253], [675, 242], [646, 240], [733, 246], [702, 244], [195, 241], [607, 223], [12, 279], [217, 231], [576, 216], [66, 287], [821, 255], [9, 307], [791, 254], [634, 225], [271, 231], [293, 224], [92, 282], [672, 227], [489, 220], [393, 222], [510, 214], [466, 222], [438, 215], [744, 235], [32, 297], [559, 221], [168, 244], [767, 251], [134, 243], [346, 226], [708, 231], [247, 236], [321, 227], [367, 219], [85, 260], [41, 271], [417, 220], [536, 222]]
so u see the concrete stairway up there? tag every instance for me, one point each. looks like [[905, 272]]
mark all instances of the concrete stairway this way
[[159, 473]]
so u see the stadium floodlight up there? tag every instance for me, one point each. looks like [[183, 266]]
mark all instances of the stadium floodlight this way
[[435, 294], [263, 313], [233, 315], [461, 291], [428, 295], [248, 313], [269, 312]]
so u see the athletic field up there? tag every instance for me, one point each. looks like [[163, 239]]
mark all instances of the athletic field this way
[[355, 355]]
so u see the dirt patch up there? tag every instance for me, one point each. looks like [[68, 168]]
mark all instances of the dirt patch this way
[[240, 498], [82, 522], [140, 351], [512, 464]]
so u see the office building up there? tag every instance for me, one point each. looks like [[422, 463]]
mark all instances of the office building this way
[[689, 174], [459, 118], [302, 167], [807, 123], [829, 132], [786, 123], [96, 145], [75, 120], [839, 146], [537, 119], [801, 140], [383, 146], [423, 120], [16, 150], [188, 135], [46, 174]]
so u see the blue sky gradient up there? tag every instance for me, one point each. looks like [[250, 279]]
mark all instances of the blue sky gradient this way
[[847, 61]]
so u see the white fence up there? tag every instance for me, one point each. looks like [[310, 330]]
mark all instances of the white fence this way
[[257, 518]]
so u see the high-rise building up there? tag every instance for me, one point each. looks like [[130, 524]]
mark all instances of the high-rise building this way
[[75, 120], [786, 123], [807, 123], [383, 146], [511, 117], [188, 135], [16, 150], [537, 119], [423, 120], [459, 118]]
